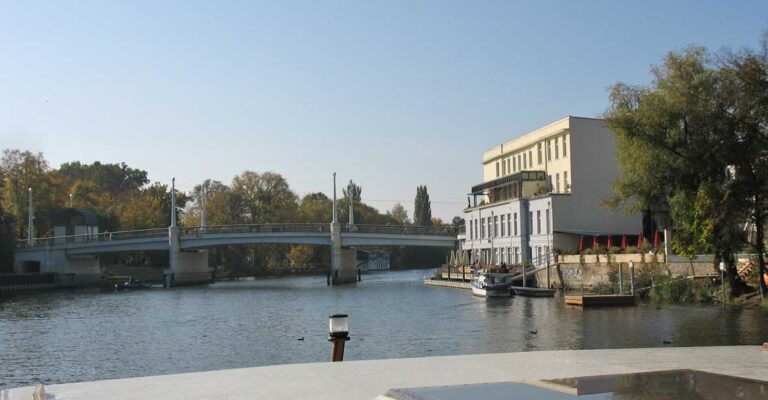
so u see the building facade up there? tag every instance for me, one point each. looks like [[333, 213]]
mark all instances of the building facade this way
[[543, 191]]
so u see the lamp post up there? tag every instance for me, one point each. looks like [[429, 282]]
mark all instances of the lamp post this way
[[632, 277], [722, 279], [338, 334], [31, 222]]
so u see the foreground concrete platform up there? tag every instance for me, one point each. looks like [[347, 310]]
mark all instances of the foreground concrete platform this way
[[371, 378]]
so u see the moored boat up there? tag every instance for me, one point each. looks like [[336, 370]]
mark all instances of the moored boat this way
[[491, 285]]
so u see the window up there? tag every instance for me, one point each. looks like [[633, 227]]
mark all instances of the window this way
[[517, 255], [525, 162], [546, 216], [557, 148], [497, 169], [502, 227], [565, 182], [565, 146], [482, 228], [503, 168], [496, 226], [538, 222], [519, 162], [538, 153], [476, 235], [557, 183], [488, 226], [515, 224], [509, 224], [508, 166], [530, 158], [549, 150]]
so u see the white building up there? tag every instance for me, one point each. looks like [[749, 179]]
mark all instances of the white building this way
[[543, 191]]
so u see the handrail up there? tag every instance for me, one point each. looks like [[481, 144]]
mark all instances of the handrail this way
[[443, 230]]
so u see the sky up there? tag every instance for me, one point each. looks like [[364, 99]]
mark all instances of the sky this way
[[391, 94]]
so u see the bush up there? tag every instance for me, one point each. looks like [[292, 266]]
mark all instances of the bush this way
[[669, 290]]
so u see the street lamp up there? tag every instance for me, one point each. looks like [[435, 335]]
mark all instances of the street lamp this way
[[338, 333]]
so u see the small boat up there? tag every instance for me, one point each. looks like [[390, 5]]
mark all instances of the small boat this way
[[132, 284], [492, 285]]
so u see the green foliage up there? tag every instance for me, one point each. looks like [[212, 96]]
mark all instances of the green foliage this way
[[399, 214], [422, 210], [695, 139], [670, 290], [352, 190]]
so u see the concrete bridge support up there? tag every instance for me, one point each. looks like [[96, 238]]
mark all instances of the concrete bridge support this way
[[343, 260], [86, 268], [186, 267]]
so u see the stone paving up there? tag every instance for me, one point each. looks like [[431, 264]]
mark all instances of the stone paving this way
[[371, 378]]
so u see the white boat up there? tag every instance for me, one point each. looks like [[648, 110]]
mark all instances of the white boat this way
[[492, 285]]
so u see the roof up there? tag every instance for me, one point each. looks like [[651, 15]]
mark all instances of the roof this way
[[76, 216]]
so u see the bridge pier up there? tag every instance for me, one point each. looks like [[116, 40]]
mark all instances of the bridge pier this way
[[186, 267], [343, 260]]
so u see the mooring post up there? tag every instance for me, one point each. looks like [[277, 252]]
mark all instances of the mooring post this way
[[632, 277], [549, 283]]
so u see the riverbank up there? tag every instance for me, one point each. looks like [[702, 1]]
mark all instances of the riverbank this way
[[372, 378]]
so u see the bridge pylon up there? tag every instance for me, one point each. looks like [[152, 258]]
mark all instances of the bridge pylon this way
[[343, 260]]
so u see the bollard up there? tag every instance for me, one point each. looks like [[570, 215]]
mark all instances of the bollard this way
[[338, 334], [39, 393]]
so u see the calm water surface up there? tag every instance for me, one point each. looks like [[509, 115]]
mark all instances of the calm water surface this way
[[70, 336]]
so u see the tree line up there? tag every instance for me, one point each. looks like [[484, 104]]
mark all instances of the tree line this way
[[693, 144], [124, 199]]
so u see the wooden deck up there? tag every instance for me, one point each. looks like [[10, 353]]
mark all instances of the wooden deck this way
[[448, 284], [600, 300], [533, 291]]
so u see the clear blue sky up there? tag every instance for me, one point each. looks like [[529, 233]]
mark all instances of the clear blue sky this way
[[392, 94]]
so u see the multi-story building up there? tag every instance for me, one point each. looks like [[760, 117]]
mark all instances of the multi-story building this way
[[544, 191]]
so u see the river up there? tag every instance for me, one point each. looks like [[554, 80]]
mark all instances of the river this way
[[83, 335]]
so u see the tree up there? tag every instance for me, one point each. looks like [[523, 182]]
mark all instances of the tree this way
[[352, 191], [316, 208], [422, 210], [676, 145], [399, 214], [23, 170], [7, 237], [457, 222], [266, 198]]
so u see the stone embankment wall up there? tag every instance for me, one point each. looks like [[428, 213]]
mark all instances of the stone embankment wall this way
[[590, 271]]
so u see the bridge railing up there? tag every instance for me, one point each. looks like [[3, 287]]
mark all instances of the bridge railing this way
[[256, 228], [442, 230], [95, 237]]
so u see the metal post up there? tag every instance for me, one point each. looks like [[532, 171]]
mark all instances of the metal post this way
[[524, 276], [632, 277], [173, 202], [335, 216], [71, 200], [203, 225], [621, 281], [549, 282], [31, 222], [351, 210]]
